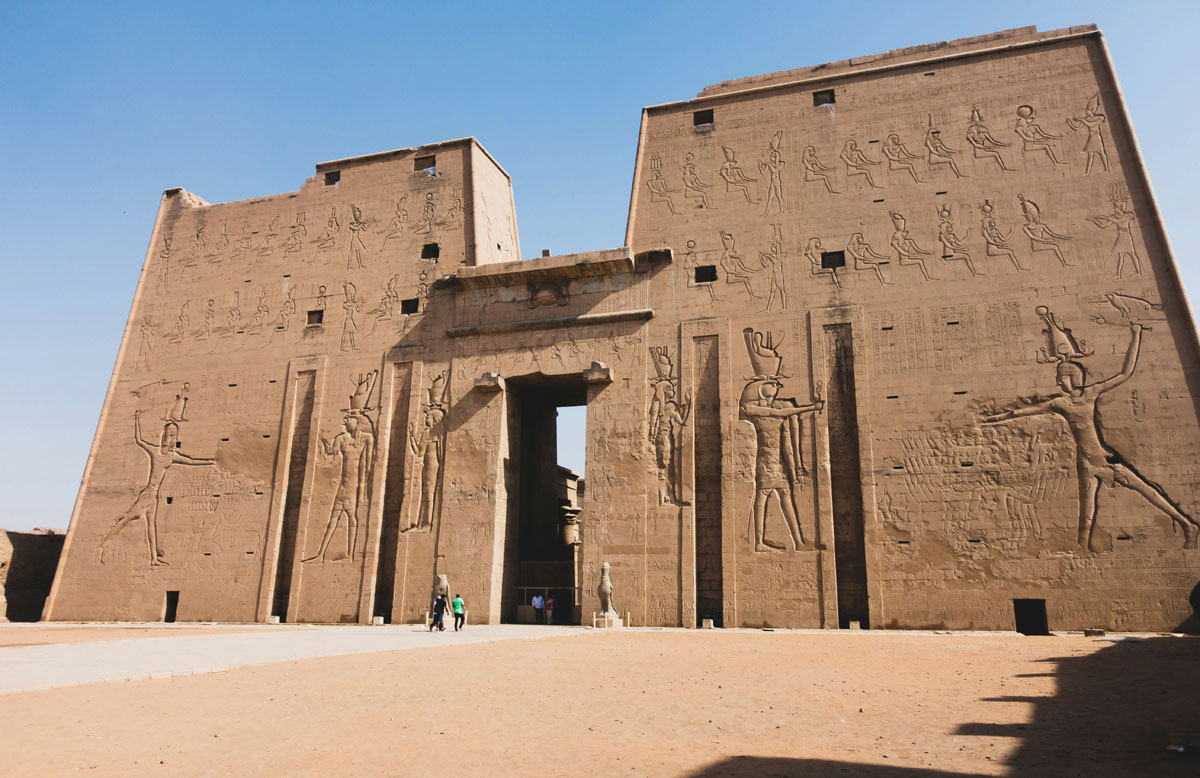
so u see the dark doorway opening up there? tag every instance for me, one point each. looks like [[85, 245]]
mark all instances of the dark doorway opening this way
[[544, 500], [1030, 616], [846, 479], [172, 608]]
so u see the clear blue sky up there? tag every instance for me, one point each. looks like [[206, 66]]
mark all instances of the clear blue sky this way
[[104, 105]]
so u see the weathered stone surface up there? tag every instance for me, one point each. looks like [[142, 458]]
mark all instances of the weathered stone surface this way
[[896, 340]]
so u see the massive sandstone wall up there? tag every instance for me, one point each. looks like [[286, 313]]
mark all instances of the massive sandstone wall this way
[[255, 337], [998, 232], [883, 332]]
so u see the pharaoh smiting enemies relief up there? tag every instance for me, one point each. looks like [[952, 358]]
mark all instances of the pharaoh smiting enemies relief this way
[[163, 456], [1096, 463]]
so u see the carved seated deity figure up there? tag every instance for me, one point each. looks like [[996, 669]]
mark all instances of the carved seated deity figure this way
[[984, 144], [814, 170], [731, 173], [997, 242], [1041, 237], [938, 153], [900, 158], [907, 250], [1033, 137]]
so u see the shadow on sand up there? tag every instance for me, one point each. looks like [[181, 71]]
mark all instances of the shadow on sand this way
[[1130, 709]]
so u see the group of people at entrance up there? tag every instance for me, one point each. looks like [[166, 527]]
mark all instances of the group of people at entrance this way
[[439, 613], [543, 609]]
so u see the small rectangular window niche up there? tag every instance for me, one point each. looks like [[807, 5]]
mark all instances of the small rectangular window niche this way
[[426, 164], [832, 260]]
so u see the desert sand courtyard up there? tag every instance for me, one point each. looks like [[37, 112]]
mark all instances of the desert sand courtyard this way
[[536, 701]]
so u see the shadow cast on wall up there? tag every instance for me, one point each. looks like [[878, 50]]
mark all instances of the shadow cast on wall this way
[[1130, 709]]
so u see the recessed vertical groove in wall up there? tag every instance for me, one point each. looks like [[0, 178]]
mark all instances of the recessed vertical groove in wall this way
[[297, 467], [845, 477], [393, 492], [708, 481]]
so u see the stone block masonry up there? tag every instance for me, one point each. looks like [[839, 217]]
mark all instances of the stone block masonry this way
[[895, 341]]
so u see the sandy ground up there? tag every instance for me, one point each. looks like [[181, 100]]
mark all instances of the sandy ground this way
[[643, 703], [13, 635]]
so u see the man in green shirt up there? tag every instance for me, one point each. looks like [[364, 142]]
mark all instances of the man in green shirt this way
[[460, 612]]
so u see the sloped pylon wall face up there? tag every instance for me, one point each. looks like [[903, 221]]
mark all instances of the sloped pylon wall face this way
[[1023, 357], [245, 440], [893, 343]]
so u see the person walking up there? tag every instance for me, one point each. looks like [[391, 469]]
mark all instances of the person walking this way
[[539, 603], [460, 612], [439, 614], [549, 610]]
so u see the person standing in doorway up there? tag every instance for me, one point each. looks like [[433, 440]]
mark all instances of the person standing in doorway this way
[[549, 610], [539, 603], [460, 612], [439, 614]]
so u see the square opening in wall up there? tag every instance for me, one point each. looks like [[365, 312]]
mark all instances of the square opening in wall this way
[[702, 118], [832, 260], [315, 318], [823, 97], [1030, 616], [410, 306], [706, 274], [426, 164], [430, 251], [333, 177]]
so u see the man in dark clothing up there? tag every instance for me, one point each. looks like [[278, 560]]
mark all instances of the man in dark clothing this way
[[439, 614]]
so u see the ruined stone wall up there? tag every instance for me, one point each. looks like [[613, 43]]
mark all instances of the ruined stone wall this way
[[27, 564]]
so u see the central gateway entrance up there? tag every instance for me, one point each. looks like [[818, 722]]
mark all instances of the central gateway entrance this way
[[543, 498]]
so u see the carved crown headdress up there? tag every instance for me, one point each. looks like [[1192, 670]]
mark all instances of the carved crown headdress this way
[[764, 359], [1060, 342], [1029, 207], [662, 363], [362, 391], [436, 396]]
